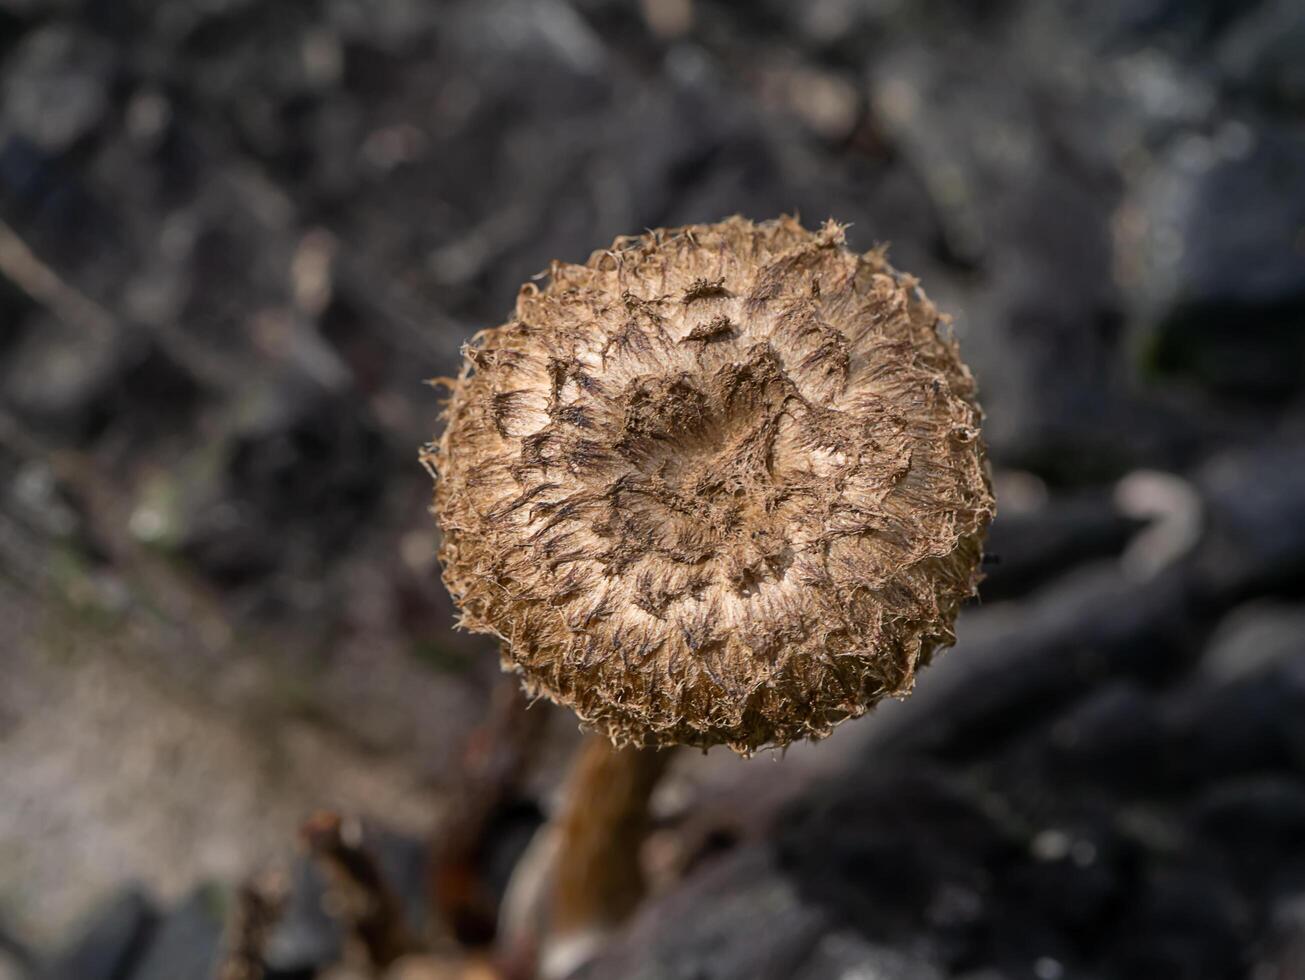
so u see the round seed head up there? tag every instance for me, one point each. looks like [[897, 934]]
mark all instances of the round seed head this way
[[719, 484]]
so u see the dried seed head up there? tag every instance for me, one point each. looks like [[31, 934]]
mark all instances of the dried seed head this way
[[722, 484]]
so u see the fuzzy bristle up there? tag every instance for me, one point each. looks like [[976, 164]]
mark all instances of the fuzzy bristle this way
[[720, 484]]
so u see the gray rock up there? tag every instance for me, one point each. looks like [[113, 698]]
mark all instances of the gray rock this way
[[1078, 871], [550, 30], [1219, 277], [896, 851], [113, 941], [57, 373], [1025, 247], [1017, 662], [1111, 739], [1029, 548], [297, 481], [188, 941], [56, 87], [1255, 509], [1257, 822], [1263, 56], [847, 955], [1243, 711], [1255, 638], [16, 962], [739, 919], [1189, 924], [1252, 724], [1177, 25], [1283, 955]]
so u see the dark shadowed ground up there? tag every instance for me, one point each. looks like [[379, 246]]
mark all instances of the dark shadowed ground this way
[[238, 235]]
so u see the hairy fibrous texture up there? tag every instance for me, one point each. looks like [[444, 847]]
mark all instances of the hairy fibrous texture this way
[[721, 484]]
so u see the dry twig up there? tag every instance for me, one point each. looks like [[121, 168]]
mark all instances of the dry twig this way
[[258, 907], [368, 905], [494, 761]]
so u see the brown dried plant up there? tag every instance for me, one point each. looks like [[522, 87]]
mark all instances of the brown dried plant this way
[[719, 484]]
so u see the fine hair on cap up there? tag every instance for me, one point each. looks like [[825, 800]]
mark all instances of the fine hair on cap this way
[[721, 484]]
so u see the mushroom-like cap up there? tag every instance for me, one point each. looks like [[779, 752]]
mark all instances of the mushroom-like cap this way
[[719, 484]]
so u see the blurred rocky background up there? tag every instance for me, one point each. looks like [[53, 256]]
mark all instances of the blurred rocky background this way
[[237, 236]]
